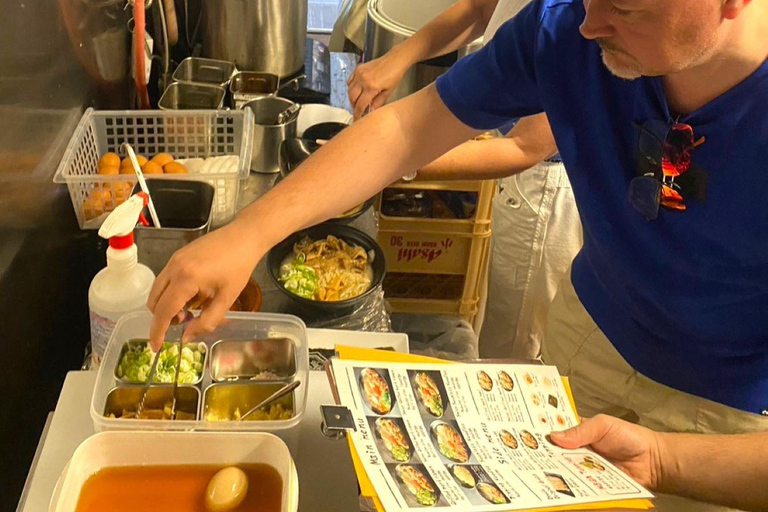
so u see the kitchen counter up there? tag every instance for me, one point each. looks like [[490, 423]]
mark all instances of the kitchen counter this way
[[71, 424]]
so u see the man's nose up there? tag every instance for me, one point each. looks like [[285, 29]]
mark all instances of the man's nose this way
[[596, 25]]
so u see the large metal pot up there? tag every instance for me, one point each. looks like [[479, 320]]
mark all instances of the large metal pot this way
[[390, 22], [257, 35]]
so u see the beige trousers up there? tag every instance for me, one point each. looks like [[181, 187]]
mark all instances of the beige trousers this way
[[603, 382]]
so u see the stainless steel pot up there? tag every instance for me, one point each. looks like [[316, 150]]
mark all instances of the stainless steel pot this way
[[269, 133], [257, 35], [386, 29]]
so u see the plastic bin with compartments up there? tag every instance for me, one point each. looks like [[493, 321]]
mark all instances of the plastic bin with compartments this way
[[183, 134]]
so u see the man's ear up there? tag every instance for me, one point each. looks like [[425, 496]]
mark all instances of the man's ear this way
[[733, 8]]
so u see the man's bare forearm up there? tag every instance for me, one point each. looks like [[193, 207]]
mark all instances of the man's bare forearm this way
[[529, 142], [731, 470], [355, 165]]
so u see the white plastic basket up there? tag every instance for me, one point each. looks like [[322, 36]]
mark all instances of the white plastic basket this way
[[183, 134]]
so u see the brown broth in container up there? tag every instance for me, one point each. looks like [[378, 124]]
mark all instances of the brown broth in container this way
[[174, 489]]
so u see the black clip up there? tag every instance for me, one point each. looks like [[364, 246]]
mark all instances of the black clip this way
[[337, 419]]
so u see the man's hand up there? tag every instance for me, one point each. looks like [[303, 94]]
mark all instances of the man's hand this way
[[372, 83], [217, 266], [634, 449]]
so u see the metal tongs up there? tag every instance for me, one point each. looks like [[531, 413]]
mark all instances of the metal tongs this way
[[271, 398], [153, 370]]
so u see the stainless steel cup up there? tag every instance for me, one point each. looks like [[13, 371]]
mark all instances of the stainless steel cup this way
[[268, 134]]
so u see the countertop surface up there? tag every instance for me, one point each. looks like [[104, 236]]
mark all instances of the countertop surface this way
[[323, 464]]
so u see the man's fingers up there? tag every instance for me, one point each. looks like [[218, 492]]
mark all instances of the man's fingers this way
[[354, 91], [170, 303], [588, 432], [379, 100], [363, 102], [211, 316]]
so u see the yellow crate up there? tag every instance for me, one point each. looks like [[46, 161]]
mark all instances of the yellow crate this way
[[479, 224], [433, 253]]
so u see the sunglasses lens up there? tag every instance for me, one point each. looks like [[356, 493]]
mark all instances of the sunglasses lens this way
[[644, 196], [677, 149], [671, 198]]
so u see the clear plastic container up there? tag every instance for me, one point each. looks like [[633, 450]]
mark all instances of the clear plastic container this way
[[239, 326], [115, 449]]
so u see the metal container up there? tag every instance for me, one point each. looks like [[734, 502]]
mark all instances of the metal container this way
[[250, 85], [187, 96], [257, 35], [271, 359], [224, 402], [143, 342], [125, 398], [204, 71], [268, 134], [184, 209], [390, 24]]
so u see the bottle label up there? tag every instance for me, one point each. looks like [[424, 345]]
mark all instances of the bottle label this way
[[101, 330]]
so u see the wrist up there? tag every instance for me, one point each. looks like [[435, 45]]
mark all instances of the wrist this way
[[247, 238], [405, 55], [664, 465]]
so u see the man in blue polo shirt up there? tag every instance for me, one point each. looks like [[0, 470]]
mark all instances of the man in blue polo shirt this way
[[660, 111]]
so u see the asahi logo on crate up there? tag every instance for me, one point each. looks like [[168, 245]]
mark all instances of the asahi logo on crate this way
[[409, 250]]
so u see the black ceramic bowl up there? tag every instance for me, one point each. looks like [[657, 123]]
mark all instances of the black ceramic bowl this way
[[350, 235], [323, 131]]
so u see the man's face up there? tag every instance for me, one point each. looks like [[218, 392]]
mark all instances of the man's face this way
[[653, 37]]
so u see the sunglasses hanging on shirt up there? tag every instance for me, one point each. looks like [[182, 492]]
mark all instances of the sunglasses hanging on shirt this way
[[666, 177]]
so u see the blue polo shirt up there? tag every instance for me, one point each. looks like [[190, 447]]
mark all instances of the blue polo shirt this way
[[683, 298]]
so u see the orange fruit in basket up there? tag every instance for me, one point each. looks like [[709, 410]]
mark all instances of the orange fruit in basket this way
[[109, 160], [121, 191], [174, 168], [152, 168], [161, 159], [100, 194], [92, 208], [127, 163], [108, 170]]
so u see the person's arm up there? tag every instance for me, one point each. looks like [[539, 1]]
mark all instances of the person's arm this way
[[527, 144], [372, 83], [353, 166], [729, 470]]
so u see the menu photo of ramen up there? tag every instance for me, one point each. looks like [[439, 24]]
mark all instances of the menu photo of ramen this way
[[376, 389]]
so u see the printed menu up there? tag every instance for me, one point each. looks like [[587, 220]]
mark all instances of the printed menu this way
[[471, 437]]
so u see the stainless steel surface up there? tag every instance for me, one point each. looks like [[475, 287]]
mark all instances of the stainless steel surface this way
[[187, 96], [257, 35], [249, 85], [268, 134], [72, 424], [185, 209], [228, 401], [381, 36], [289, 114], [259, 360], [204, 71], [143, 343], [125, 398], [271, 398]]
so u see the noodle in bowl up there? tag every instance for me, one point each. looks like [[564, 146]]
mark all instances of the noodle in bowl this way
[[330, 267]]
